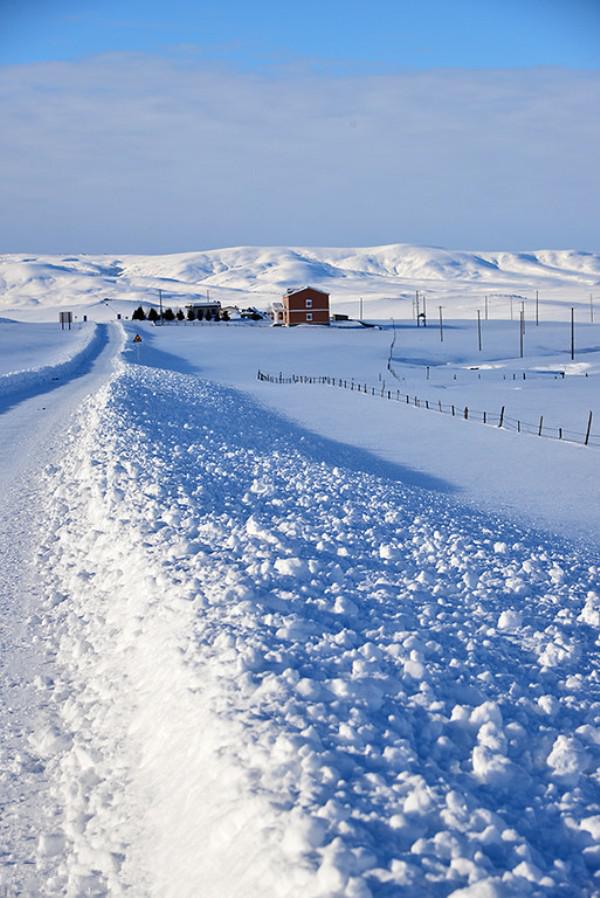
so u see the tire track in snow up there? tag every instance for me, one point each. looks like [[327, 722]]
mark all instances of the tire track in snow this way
[[284, 676], [30, 435]]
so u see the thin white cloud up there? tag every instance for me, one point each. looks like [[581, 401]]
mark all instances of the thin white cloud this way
[[130, 153]]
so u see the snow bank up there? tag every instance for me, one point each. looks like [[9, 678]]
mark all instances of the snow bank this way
[[76, 354], [284, 676]]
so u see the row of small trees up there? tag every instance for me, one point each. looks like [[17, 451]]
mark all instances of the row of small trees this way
[[170, 315]]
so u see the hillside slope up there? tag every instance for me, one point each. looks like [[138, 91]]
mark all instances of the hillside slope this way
[[258, 274]]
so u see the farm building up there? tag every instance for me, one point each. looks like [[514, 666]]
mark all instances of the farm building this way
[[306, 305], [210, 309]]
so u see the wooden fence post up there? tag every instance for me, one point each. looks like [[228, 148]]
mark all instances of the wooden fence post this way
[[589, 428], [541, 425], [501, 422]]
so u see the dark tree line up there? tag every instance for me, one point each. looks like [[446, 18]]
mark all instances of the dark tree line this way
[[169, 315]]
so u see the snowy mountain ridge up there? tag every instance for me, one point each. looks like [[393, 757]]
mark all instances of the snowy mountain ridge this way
[[377, 272]]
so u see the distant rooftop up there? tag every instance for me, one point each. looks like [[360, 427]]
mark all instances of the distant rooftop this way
[[291, 290]]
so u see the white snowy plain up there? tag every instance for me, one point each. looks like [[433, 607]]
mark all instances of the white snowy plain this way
[[280, 640]]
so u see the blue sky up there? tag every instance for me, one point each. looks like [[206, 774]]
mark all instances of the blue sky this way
[[149, 127], [385, 34]]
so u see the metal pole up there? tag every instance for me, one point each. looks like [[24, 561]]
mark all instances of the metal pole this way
[[523, 314], [486, 308], [479, 328], [417, 307], [424, 311], [441, 326], [572, 333]]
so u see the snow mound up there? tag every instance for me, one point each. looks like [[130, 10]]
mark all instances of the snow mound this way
[[285, 676]]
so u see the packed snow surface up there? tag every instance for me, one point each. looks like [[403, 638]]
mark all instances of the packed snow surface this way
[[268, 665]]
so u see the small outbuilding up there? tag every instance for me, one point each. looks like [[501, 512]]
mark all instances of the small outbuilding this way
[[305, 305], [209, 310]]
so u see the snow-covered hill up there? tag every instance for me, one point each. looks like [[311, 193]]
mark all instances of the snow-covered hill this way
[[258, 274]]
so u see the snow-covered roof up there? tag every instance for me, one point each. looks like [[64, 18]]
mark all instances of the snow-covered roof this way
[[207, 303], [291, 290]]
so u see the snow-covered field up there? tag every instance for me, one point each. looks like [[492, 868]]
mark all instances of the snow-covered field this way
[[268, 639], [499, 471]]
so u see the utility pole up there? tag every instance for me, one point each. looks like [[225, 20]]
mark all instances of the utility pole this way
[[441, 326], [417, 308], [479, 328], [523, 313], [521, 331], [424, 311], [537, 307], [572, 333], [360, 309]]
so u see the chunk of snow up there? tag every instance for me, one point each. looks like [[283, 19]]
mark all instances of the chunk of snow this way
[[291, 567], [590, 613], [567, 759], [510, 620]]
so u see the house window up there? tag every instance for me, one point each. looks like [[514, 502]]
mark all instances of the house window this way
[[309, 303], [309, 316]]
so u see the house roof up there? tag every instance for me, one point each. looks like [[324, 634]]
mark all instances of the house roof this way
[[291, 290], [207, 303]]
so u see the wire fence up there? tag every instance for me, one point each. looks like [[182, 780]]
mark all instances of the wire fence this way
[[468, 413]]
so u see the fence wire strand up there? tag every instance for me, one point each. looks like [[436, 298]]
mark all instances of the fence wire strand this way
[[493, 419]]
